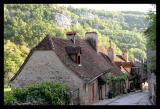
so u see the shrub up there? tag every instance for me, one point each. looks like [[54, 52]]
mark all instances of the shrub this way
[[43, 93], [9, 99]]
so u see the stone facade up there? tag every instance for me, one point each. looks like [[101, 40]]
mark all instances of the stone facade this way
[[44, 65]]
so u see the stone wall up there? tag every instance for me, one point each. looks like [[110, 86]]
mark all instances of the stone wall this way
[[152, 87], [46, 66]]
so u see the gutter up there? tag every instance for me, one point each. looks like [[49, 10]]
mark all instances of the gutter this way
[[95, 78], [99, 75]]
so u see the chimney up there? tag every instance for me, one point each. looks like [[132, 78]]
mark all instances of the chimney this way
[[110, 52], [125, 55], [71, 36], [92, 39]]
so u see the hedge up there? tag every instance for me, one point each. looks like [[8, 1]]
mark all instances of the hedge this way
[[45, 93]]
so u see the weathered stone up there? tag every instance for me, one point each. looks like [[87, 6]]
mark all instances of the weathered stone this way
[[62, 20], [36, 71]]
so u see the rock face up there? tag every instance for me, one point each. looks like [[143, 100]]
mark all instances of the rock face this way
[[87, 15], [28, 14], [12, 12], [118, 19], [62, 20], [97, 26], [75, 22]]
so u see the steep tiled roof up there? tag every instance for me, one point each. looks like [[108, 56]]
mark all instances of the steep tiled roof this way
[[93, 64], [124, 64], [119, 56], [115, 70], [45, 44]]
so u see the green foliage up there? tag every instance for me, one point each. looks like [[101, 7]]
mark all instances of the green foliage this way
[[114, 94], [14, 56], [121, 77], [150, 32], [43, 93], [110, 77], [138, 53], [8, 98]]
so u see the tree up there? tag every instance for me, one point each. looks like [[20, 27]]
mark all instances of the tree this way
[[151, 31], [14, 56], [151, 42]]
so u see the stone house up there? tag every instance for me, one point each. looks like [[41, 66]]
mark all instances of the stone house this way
[[133, 69], [121, 61], [75, 62]]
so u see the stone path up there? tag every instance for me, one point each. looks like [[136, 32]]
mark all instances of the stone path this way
[[133, 98]]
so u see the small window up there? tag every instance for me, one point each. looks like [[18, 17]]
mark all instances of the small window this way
[[79, 60]]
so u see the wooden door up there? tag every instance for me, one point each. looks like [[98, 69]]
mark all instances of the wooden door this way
[[92, 92]]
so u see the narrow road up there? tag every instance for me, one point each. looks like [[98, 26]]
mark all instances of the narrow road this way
[[140, 98]]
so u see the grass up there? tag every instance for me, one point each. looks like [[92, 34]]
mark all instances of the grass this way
[[7, 95], [7, 90]]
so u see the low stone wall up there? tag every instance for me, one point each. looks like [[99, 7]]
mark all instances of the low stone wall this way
[[152, 87]]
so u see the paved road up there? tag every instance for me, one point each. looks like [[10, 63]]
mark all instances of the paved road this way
[[140, 98]]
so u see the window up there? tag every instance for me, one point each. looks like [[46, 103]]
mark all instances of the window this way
[[79, 60]]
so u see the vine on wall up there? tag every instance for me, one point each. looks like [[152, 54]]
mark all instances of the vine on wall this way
[[109, 77]]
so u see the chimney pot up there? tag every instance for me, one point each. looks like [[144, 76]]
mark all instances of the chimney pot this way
[[71, 36], [125, 55], [92, 39], [110, 53]]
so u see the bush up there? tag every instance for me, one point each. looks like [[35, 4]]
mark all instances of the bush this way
[[115, 94], [45, 93], [9, 99]]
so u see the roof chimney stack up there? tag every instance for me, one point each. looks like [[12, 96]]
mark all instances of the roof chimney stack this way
[[71, 36], [125, 55], [92, 39], [110, 52]]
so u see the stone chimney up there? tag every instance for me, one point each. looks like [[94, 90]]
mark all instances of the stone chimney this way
[[110, 52], [71, 36], [92, 39], [125, 55]]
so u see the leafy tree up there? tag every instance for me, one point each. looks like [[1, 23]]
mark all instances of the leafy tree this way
[[150, 32], [13, 58]]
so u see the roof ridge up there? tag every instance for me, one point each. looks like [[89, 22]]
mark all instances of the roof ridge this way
[[45, 44]]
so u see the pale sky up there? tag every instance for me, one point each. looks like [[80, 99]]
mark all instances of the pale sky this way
[[114, 7]]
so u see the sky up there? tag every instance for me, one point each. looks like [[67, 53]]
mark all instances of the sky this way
[[114, 7]]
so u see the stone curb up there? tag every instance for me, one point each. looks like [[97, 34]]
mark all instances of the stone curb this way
[[151, 101]]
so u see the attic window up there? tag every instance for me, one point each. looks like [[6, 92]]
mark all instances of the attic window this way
[[74, 52], [79, 60]]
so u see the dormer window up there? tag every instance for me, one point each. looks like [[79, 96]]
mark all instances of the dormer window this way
[[74, 53], [79, 60]]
